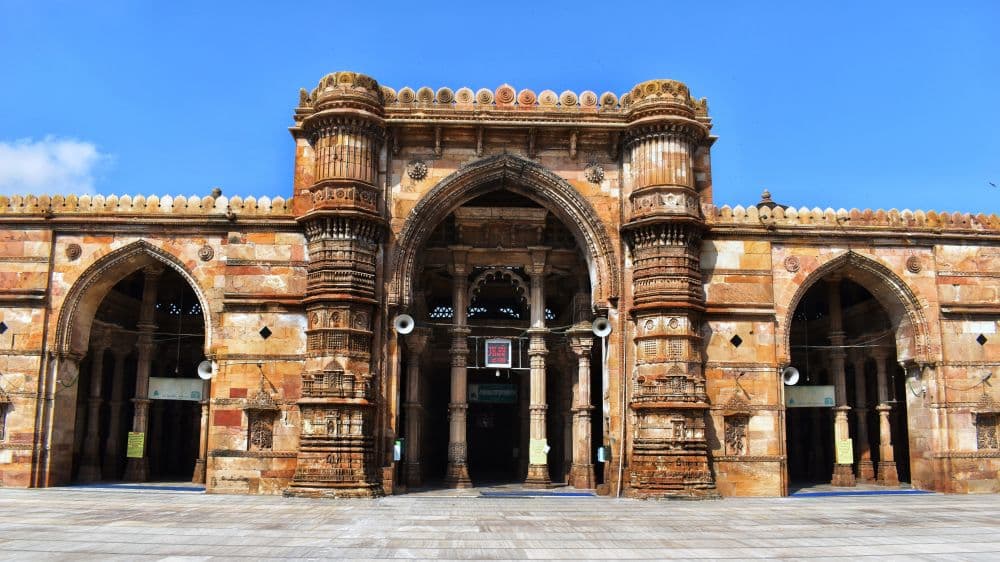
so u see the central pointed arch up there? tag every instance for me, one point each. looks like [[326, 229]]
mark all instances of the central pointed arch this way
[[896, 297], [523, 177], [77, 313]]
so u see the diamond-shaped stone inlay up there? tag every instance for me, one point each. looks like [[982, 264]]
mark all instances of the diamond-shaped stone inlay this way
[[981, 339], [265, 332], [3, 327], [736, 340]]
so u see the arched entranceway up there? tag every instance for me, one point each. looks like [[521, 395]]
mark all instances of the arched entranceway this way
[[128, 402], [846, 417], [500, 263]]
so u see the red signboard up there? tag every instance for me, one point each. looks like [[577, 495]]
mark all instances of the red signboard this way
[[498, 353]]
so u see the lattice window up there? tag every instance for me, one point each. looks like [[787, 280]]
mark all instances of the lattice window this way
[[676, 350], [649, 348], [986, 431], [261, 432], [736, 434], [336, 340]]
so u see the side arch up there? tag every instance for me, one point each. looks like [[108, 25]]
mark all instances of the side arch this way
[[900, 302], [523, 177], [76, 315]]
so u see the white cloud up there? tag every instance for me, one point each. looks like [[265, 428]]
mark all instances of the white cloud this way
[[49, 166]]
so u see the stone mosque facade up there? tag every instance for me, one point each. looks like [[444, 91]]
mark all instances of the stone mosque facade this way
[[501, 221]]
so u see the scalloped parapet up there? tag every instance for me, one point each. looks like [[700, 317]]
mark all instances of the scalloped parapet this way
[[502, 97], [906, 219], [139, 205]]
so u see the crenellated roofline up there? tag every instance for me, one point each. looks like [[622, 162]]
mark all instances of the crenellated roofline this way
[[853, 221], [45, 206]]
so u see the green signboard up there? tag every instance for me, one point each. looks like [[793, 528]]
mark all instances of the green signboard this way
[[163, 388], [493, 393], [817, 396]]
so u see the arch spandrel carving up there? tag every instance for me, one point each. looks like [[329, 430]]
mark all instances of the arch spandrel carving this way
[[77, 312], [525, 178], [906, 312]]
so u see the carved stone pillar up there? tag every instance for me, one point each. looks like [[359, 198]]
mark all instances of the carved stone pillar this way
[[843, 473], [887, 475], [113, 447], [582, 473], [340, 132], [90, 464], [416, 343], [200, 465], [866, 470], [538, 460], [137, 469], [457, 473], [567, 393], [669, 453], [159, 448]]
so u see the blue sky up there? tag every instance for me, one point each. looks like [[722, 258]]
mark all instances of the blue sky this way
[[835, 104]]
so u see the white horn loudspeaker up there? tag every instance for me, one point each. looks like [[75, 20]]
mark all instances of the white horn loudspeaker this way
[[403, 324]]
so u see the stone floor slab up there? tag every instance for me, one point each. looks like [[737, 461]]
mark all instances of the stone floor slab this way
[[110, 524]]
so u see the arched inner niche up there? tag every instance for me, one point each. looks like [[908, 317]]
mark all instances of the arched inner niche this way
[[864, 347], [492, 248], [107, 392]]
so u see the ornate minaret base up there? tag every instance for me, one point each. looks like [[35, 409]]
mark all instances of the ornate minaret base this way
[[669, 456], [340, 132]]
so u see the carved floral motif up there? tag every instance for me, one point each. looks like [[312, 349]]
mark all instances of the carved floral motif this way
[[206, 253], [417, 170], [594, 173], [73, 252]]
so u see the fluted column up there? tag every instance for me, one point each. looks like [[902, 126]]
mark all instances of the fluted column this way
[[538, 445], [887, 475], [843, 474], [137, 469], [90, 464], [457, 473], [113, 447], [416, 343], [582, 472], [866, 470]]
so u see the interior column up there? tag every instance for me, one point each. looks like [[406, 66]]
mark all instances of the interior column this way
[[582, 473], [113, 447], [200, 465], [416, 342], [866, 470], [137, 469], [843, 473], [538, 462], [457, 474], [90, 465], [887, 475]]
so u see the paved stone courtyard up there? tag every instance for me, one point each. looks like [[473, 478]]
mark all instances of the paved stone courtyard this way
[[167, 523]]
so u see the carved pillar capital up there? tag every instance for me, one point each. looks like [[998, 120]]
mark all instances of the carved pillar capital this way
[[416, 341]]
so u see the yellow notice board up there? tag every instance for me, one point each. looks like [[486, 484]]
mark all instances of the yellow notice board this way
[[845, 451], [538, 451], [136, 442]]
